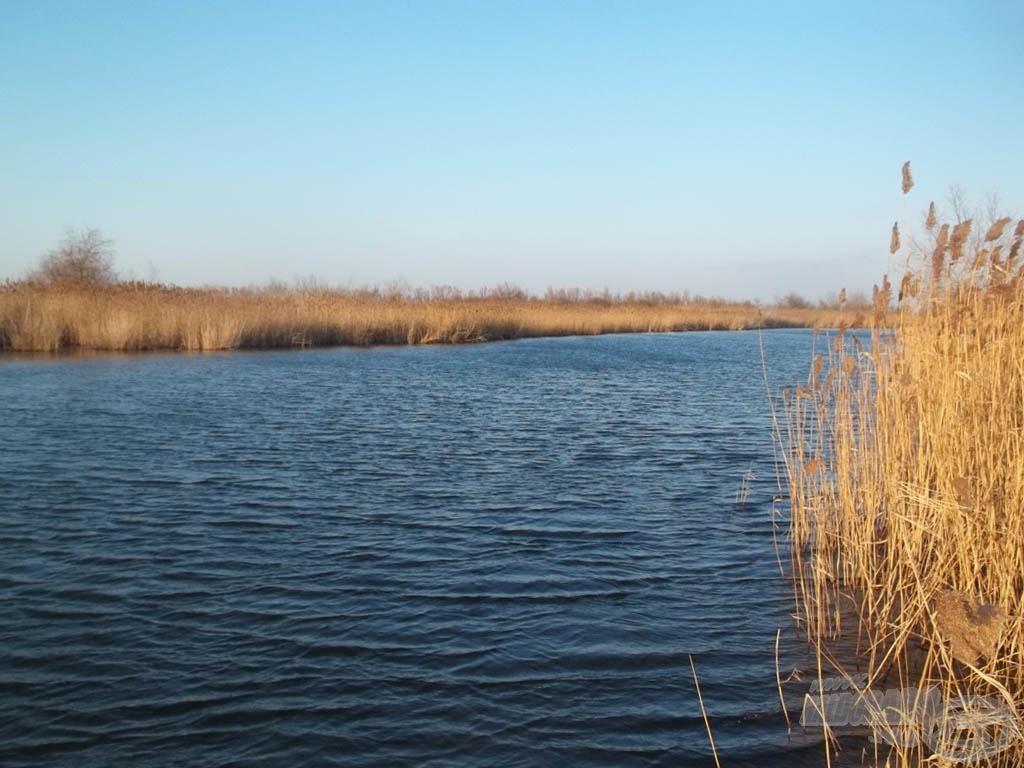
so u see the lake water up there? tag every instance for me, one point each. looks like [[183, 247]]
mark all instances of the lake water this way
[[488, 555]]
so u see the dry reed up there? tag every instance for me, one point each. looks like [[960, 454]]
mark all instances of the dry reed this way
[[908, 178], [905, 464], [142, 316]]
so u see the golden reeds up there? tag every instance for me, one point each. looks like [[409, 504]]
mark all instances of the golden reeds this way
[[906, 472], [141, 316]]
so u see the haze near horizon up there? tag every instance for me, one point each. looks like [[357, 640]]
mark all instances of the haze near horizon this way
[[728, 149]]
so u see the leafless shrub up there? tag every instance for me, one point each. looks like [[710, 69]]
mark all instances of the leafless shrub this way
[[85, 257]]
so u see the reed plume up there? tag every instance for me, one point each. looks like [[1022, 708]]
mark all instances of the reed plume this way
[[996, 230], [958, 239]]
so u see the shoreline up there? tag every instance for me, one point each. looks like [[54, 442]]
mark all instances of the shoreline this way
[[141, 317], [84, 353]]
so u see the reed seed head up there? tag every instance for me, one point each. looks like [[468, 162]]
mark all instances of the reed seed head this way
[[904, 286], [932, 219], [908, 179], [894, 241], [880, 299], [958, 239], [938, 261], [980, 259], [996, 230]]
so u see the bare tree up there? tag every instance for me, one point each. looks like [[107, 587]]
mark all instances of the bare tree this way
[[958, 204], [983, 215], [82, 257], [993, 209], [793, 300]]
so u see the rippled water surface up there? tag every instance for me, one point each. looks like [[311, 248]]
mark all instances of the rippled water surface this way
[[484, 555]]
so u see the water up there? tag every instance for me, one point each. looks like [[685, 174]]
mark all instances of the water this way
[[501, 554]]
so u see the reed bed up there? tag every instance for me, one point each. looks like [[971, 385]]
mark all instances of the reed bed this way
[[51, 317], [905, 462]]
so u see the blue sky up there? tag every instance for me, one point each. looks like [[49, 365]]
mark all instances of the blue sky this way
[[734, 149]]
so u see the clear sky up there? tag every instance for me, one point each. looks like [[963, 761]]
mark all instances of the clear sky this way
[[735, 149]]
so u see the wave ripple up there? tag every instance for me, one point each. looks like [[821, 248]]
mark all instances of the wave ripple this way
[[493, 555]]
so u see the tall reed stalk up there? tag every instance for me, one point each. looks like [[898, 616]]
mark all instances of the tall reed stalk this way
[[906, 473]]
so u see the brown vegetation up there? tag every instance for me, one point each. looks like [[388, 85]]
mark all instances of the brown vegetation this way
[[42, 316], [906, 473]]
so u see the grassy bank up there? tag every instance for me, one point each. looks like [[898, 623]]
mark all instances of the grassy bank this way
[[139, 316], [906, 471]]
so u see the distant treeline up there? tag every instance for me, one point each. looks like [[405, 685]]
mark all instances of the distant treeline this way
[[513, 292]]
